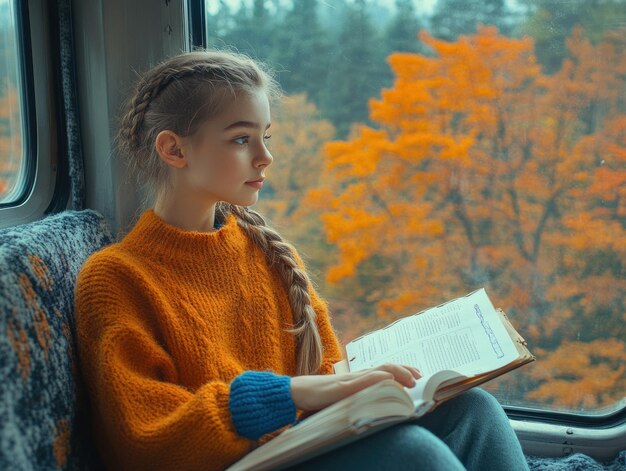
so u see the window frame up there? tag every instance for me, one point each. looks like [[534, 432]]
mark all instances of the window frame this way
[[599, 421], [196, 24], [39, 116], [540, 437]]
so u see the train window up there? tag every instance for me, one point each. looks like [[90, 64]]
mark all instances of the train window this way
[[426, 149], [32, 170], [12, 161]]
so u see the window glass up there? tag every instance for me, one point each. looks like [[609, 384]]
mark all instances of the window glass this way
[[12, 165], [425, 149]]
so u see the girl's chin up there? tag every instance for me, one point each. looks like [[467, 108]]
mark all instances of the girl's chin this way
[[249, 201]]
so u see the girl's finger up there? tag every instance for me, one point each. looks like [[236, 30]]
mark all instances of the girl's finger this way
[[404, 375], [367, 379], [417, 373]]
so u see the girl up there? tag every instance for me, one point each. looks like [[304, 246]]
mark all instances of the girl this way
[[200, 335]]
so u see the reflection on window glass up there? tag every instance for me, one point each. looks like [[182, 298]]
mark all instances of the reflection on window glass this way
[[427, 149], [11, 150]]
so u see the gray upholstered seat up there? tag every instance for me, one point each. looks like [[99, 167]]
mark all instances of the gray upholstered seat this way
[[41, 402], [578, 462]]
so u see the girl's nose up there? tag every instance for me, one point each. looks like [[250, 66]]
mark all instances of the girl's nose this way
[[265, 157]]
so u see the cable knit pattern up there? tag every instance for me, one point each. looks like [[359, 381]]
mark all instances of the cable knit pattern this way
[[166, 320], [260, 402]]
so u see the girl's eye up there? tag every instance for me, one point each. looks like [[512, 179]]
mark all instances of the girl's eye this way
[[243, 140]]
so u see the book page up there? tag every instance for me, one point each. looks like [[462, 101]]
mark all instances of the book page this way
[[425, 387], [465, 335]]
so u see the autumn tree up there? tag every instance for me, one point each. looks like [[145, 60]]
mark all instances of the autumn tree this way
[[10, 140], [483, 171], [298, 135], [11, 152]]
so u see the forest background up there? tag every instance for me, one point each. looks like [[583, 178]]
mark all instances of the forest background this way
[[421, 156]]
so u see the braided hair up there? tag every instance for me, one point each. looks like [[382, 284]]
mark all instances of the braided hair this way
[[180, 94]]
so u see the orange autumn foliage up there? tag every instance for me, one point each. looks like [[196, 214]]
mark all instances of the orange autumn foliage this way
[[483, 171], [584, 375], [10, 140], [298, 135]]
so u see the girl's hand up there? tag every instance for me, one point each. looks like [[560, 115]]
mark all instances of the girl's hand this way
[[314, 392]]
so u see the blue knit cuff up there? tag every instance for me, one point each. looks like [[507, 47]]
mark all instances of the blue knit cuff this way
[[260, 402]]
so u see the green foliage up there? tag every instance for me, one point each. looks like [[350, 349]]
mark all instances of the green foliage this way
[[357, 69], [335, 53], [453, 18], [553, 21], [301, 52], [401, 33], [252, 30]]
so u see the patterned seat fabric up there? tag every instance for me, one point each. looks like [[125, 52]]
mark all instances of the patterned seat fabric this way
[[42, 402], [576, 462]]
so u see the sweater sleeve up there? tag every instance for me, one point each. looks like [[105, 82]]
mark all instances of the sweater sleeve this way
[[142, 417], [260, 402]]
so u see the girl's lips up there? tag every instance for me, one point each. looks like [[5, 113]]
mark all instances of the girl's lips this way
[[258, 184]]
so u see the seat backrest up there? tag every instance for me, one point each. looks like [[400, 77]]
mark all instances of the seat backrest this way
[[43, 424]]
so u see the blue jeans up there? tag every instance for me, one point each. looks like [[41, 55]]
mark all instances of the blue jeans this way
[[470, 431]]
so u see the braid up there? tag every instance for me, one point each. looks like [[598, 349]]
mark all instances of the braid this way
[[147, 90], [296, 281]]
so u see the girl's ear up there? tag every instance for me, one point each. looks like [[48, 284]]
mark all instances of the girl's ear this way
[[168, 145]]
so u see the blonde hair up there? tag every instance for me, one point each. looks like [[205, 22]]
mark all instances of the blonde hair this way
[[180, 94]]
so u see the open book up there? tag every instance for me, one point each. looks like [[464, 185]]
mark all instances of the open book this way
[[456, 346]]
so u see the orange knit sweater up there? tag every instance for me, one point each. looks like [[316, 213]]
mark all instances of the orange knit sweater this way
[[166, 319]]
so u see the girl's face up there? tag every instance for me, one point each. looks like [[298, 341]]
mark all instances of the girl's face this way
[[228, 152]]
